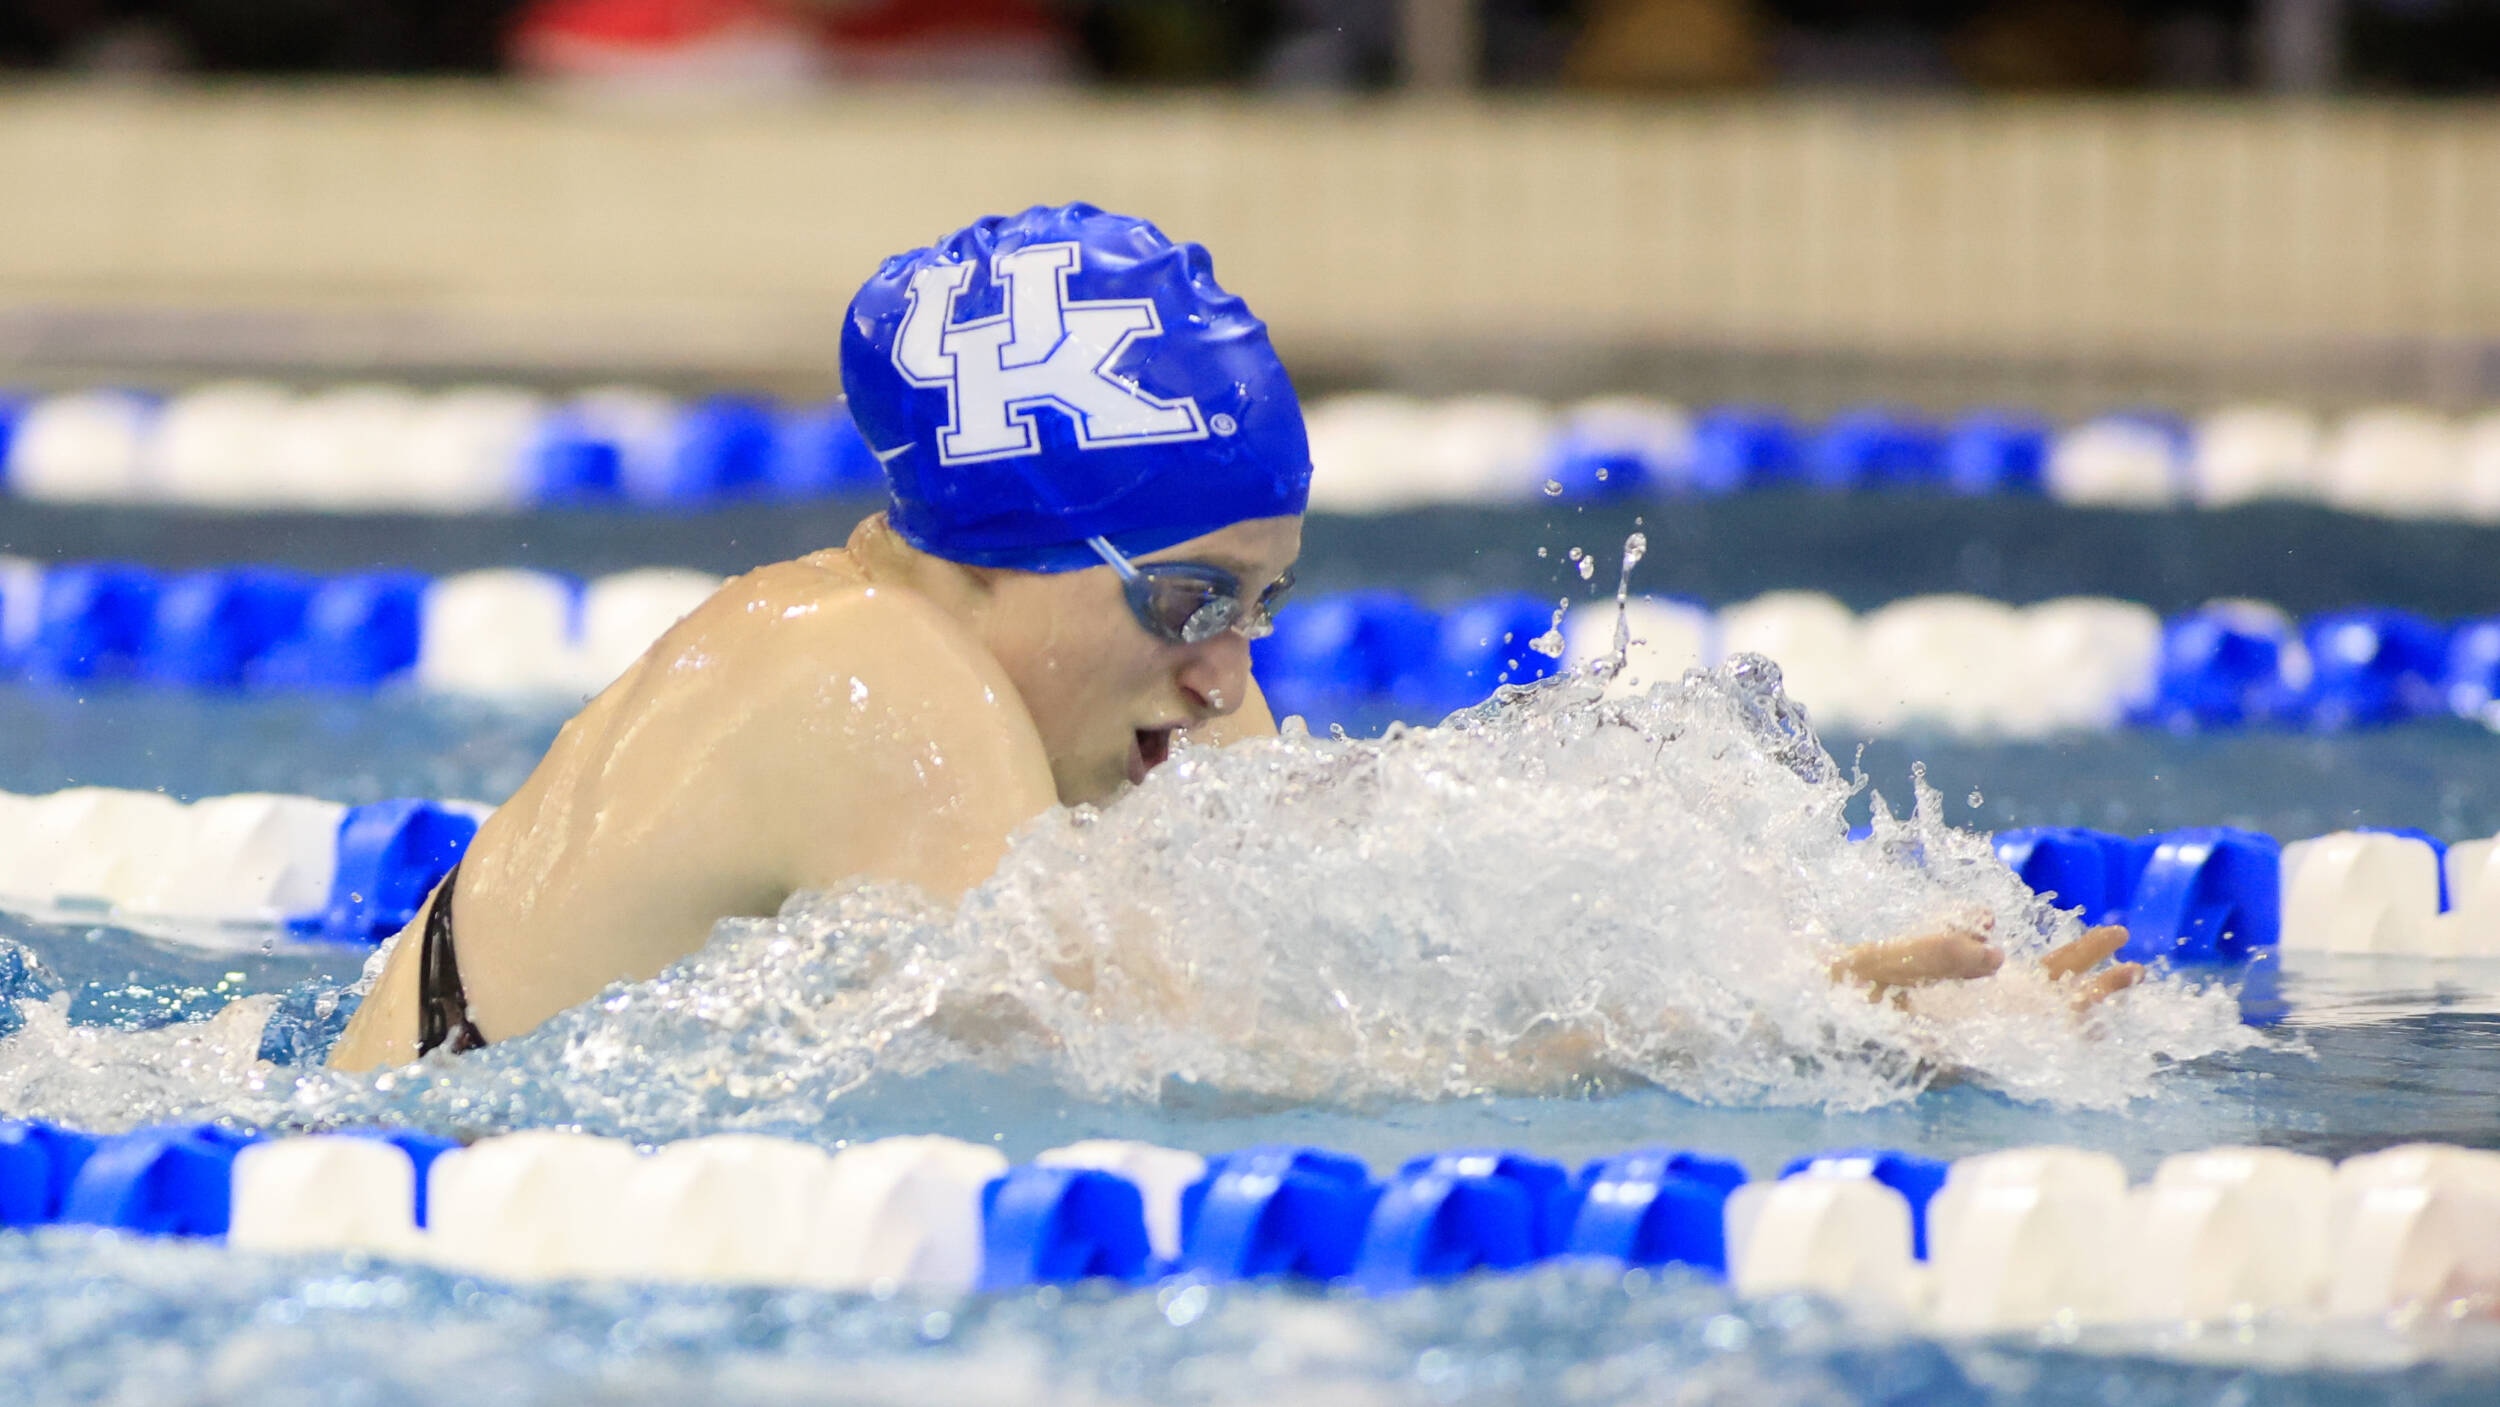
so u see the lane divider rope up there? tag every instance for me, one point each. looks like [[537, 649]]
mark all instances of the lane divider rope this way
[[1959, 664], [2013, 1239]]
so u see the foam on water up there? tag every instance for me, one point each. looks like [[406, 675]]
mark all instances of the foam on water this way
[[1552, 893]]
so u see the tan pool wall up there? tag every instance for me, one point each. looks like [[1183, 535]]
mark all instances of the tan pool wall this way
[[519, 225]]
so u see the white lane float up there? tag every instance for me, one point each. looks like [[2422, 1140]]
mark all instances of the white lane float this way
[[2028, 1236], [1366, 453], [1814, 640], [339, 450], [467, 451], [499, 632], [2360, 892], [725, 1209], [2229, 1231], [1848, 1237], [333, 1192], [2114, 462], [536, 1205], [2247, 452], [2397, 461], [2086, 664], [217, 446], [1942, 662], [84, 447], [244, 858], [902, 1211], [2413, 1225]]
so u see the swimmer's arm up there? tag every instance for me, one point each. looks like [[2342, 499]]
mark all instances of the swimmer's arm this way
[[382, 1030]]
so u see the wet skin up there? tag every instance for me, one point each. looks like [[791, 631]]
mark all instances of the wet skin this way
[[869, 712]]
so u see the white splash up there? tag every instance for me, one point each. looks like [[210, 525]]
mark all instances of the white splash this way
[[1551, 893]]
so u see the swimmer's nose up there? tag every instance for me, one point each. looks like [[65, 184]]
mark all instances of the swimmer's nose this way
[[1216, 675]]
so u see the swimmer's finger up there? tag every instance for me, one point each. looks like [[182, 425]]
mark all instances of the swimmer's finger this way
[[1947, 956], [2084, 953], [2108, 982]]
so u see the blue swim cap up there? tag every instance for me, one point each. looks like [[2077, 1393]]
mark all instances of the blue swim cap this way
[[1038, 379]]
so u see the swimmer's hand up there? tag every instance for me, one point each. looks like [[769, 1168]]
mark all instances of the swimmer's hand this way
[[1960, 951]]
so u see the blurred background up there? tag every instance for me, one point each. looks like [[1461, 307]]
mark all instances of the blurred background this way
[[2072, 203], [1959, 353]]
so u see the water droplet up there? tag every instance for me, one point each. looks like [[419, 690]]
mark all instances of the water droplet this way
[[1588, 568], [1976, 800], [1553, 488], [1601, 473]]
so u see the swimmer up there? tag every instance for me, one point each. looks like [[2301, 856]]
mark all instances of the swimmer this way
[[1098, 472]]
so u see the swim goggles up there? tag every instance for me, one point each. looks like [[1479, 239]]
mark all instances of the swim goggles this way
[[1190, 603]]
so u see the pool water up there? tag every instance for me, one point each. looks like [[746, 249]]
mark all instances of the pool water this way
[[2354, 1054]]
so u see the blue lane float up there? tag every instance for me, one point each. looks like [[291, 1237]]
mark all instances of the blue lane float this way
[[1045, 1225], [2207, 894], [1996, 451], [1486, 643], [38, 1162], [175, 1180], [214, 629], [1875, 447], [1450, 1214], [2372, 667], [1653, 1206], [1739, 447], [2201, 895], [391, 854], [2223, 667], [92, 623], [1277, 1211]]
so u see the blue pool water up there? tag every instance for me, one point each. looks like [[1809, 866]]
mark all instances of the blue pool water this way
[[2367, 1052]]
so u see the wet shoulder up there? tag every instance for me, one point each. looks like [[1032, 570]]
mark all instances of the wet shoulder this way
[[814, 633], [877, 686]]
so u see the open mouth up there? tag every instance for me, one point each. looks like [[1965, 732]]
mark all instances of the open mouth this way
[[1153, 746]]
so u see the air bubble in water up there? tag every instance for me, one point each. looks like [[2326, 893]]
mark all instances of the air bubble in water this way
[[1976, 800], [1553, 488]]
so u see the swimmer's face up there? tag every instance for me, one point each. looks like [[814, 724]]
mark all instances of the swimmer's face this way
[[1104, 693]]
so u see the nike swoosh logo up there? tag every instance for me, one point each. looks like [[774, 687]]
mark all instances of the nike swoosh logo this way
[[888, 456]]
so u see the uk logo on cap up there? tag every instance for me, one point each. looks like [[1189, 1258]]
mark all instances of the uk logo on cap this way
[[1043, 350], [1032, 381]]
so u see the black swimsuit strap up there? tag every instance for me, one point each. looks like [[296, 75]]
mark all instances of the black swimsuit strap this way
[[442, 1003]]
